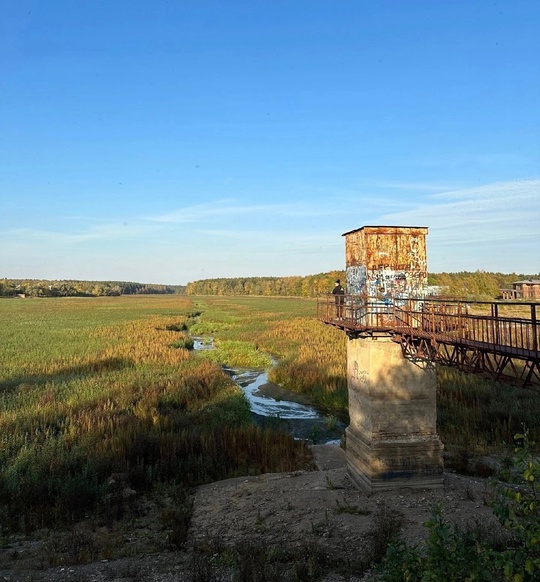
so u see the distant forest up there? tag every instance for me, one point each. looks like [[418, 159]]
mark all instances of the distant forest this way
[[472, 285], [67, 288]]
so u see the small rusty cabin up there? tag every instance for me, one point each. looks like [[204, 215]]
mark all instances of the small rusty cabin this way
[[386, 262]]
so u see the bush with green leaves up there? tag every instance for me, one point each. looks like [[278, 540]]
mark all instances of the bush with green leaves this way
[[456, 556], [518, 509], [450, 555]]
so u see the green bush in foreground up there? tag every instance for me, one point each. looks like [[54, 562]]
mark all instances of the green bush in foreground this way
[[519, 511], [456, 556], [450, 555]]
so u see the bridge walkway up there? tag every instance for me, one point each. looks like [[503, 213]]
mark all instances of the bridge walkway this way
[[496, 339]]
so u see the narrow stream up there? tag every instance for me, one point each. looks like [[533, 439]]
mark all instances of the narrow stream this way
[[272, 404], [270, 400]]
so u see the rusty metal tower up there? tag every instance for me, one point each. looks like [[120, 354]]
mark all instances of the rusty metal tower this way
[[391, 439], [386, 262]]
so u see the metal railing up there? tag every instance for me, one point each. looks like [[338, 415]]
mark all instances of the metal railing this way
[[451, 321], [357, 311]]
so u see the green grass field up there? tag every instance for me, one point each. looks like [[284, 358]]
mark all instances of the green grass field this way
[[96, 388], [100, 391]]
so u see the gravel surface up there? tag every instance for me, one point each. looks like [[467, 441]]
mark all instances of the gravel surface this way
[[319, 509]]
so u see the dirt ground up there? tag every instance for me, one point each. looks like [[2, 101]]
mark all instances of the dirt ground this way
[[320, 508]]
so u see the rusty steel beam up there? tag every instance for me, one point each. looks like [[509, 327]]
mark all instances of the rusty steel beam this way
[[504, 368], [445, 331]]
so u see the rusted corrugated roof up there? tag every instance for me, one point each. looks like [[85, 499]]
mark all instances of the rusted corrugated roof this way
[[527, 282], [387, 229]]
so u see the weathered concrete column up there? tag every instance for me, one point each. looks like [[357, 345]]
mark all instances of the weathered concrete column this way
[[392, 439]]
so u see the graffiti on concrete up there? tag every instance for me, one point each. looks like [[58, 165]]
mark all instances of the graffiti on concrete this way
[[356, 280], [391, 281], [416, 262], [386, 283]]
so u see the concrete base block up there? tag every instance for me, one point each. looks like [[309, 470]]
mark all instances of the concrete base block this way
[[394, 463], [392, 439]]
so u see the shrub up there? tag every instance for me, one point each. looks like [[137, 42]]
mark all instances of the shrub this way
[[450, 555], [456, 556], [518, 510], [177, 327]]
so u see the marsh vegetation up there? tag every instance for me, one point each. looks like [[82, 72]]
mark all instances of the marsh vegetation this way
[[103, 403], [97, 392]]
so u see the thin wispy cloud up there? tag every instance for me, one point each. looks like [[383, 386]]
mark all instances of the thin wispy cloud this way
[[519, 199], [275, 237], [519, 190], [228, 208]]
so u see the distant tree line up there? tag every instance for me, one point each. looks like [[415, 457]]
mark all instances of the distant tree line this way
[[68, 288], [309, 286], [474, 285]]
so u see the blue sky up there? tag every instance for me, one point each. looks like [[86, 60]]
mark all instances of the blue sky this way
[[170, 141]]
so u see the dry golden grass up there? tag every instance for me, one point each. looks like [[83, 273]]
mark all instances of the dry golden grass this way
[[91, 388]]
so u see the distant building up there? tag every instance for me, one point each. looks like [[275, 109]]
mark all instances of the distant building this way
[[529, 289], [434, 290]]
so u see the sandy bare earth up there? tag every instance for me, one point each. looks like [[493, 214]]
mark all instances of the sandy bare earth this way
[[318, 508]]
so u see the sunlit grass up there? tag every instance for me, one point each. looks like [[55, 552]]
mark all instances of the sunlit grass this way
[[311, 356], [91, 388], [238, 354], [473, 412], [101, 386]]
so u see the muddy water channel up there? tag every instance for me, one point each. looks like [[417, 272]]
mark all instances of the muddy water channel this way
[[272, 405]]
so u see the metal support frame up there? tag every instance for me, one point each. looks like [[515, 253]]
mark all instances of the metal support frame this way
[[446, 332], [500, 367]]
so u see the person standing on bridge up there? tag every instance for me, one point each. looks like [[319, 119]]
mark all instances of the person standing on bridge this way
[[339, 298]]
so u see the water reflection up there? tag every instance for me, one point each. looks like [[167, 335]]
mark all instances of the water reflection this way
[[273, 404], [257, 389], [203, 343]]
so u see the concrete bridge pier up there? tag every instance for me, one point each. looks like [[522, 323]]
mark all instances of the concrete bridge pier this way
[[392, 439]]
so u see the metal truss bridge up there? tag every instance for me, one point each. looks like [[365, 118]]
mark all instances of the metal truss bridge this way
[[496, 339]]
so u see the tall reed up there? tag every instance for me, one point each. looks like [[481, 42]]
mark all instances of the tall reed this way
[[93, 393], [481, 415], [311, 357], [474, 413]]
